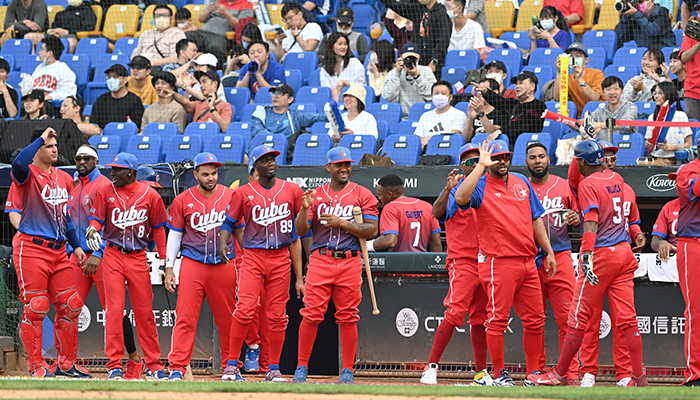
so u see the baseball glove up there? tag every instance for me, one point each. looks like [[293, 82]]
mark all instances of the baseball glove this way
[[587, 269], [692, 29]]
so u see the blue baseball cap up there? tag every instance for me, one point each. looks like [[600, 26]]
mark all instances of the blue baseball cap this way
[[124, 160], [608, 146], [260, 151], [499, 147], [250, 168], [467, 148], [206, 158], [148, 175], [338, 155]]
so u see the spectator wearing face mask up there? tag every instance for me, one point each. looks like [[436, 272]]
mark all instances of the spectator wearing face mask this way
[[497, 71], [482, 117], [183, 20], [466, 33], [119, 104], [647, 24], [551, 32], [444, 118], [159, 45]]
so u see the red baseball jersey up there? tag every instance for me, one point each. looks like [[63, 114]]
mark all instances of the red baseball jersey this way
[[555, 194], [604, 191], [128, 214], [689, 207], [630, 208], [460, 229], [13, 202], [269, 213], [81, 201], [340, 204], [666, 224], [412, 221], [200, 219]]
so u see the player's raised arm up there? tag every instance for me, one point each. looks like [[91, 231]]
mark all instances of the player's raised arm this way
[[440, 204], [20, 166]]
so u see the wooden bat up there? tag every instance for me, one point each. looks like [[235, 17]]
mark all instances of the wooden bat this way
[[357, 214], [188, 374]]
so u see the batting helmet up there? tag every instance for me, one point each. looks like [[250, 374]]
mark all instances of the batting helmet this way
[[590, 151], [148, 175]]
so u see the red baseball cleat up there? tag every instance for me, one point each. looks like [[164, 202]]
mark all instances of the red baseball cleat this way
[[551, 378], [134, 369]]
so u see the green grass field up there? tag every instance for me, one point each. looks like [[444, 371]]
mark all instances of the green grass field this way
[[656, 393]]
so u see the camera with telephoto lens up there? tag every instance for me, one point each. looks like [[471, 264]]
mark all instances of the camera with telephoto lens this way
[[622, 6], [410, 62], [253, 67]]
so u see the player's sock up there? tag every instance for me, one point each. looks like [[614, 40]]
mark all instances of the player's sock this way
[[495, 345], [237, 336], [442, 338], [478, 337], [634, 344], [307, 337], [348, 341], [543, 356], [572, 343], [532, 344], [276, 344], [129, 342]]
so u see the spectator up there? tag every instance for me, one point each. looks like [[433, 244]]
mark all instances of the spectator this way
[[27, 19], [8, 95], [344, 20], [476, 10], [648, 25], [340, 68], [317, 7], [186, 51], [677, 138], [189, 83], [261, 71], [72, 108], [653, 66], [677, 67], [482, 117], [183, 19], [616, 108], [251, 33], [301, 35], [119, 105], [408, 82], [525, 113], [165, 109], [444, 118], [33, 106], [218, 18], [357, 121], [431, 30], [572, 10], [584, 82], [140, 80], [54, 77], [210, 108], [687, 11], [691, 85], [466, 33], [498, 71], [159, 45], [77, 17], [667, 4], [551, 32], [380, 63]]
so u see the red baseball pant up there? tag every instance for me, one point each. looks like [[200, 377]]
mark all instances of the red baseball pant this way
[[688, 275], [197, 281], [258, 327], [83, 283], [134, 269], [590, 347]]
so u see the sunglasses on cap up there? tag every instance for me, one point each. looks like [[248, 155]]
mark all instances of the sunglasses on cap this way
[[610, 159], [83, 158], [469, 162], [504, 157]]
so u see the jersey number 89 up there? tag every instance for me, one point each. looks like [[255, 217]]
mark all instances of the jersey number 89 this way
[[286, 226]]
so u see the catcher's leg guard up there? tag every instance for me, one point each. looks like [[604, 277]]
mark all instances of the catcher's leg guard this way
[[36, 307], [68, 305]]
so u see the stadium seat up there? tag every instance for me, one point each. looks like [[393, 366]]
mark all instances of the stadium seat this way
[[369, 98], [527, 10], [453, 74], [608, 18], [93, 90], [17, 48], [588, 18], [263, 96], [204, 129], [11, 60], [304, 62], [478, 138], [125, 130], [554, 106], [125, 46], [461, 106], [80, 65], [521, 40], [679, 36], [165, 130], [592, 106], [512, 58], [95, 48], [365, 16], [544, 57], [241, 129], [238, 97], [406, 127], [631, 147], [183, 147], [467, 59], [320, 127], [645, 108], [293, 79], [418, 109], [554, 128], [318, 96], [500, 16], [314, 79], [108, 146], [147, 149], [607, 39], [596, 58], [14, 78], [631, 56], [107, 60], [445, 145], [275, 12], [403, 149], [195, 10], [359, 145], [524, 140], [311, 149], [227, 148], [623, 72], [303, 107], [389, 112], [121, 21], [277, 141], [248, 111], [29, 63], [382, 130]]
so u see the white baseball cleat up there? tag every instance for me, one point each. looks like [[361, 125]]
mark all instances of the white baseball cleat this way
[[429, 376], [588, 380]]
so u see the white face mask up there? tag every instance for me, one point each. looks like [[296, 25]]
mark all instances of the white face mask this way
[[113, 84], [440, 100], [183, 25], [373, 58], [547, 24], [45, 61], [451, 14], [75, 3], [495, 76]]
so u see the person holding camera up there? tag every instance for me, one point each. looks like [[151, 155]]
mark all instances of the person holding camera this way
[[645, 23], [260, 71], [584, 82], [211, 109], [408, 82], [551, 31], [688, 55]]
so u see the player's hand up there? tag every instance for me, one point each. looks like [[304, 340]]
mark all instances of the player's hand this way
[[571, 218], [452, 179], [485, 150], [49, 132], [169, 280], [91, 266], [93, 238], [665, 249], [551, 265], [224, 252], [640, 242], [81, 256], [300, 288], [587, 268], [307, 199], [331, 221]]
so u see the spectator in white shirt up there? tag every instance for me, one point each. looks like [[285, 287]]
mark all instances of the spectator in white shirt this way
[[444, 118], [340, 68], [677, 138], [357, 121], [301, 35], [466, 33], [52, 76]]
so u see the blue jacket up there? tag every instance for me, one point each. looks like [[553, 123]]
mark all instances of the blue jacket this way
[[266, 122], [654, 31]]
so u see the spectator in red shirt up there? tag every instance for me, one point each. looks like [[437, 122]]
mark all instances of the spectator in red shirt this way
[[572, 10]]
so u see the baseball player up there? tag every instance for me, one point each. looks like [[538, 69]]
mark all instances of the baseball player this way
[[561, 210], [601, 196], [465, 294], [407, 224], [13, 207], [664, 239], [131, 212], [508, 217], [335, 267], [268, 206], [43, 269]]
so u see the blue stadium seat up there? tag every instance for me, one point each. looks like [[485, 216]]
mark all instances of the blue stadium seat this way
[[629, 56], [204, 129], [631, 147], [544, 74], [241, 129], [554, 128], [93, 90], [478, 138], [303, 107], [125, 130], [679, 36], [305, 62], [87, 111], [403, 149], [108, 146], [467, 59], [645, 108], [314, 78], [320, 127], [596, 58], [389, 112], [147, 149], [165, 130], [369, 98], [263, 96], [445, 145], [125, 45], [462, 106], [605, 39], [365, 15], [277, 141], [667, 55], [95, 48], [17, 48], [592, 106], [29, 63], [519, 38], [406, 127], [382, 130], [359, 145], [80, 65], [524, 140], [318, 96], [248, 111], [623, 72], [293, 78], [571, 135], [453, 74], [554, 107], [183, 147], [104, 62], [238, 97], [227, 148], [512, 58], [311, 149], [10, 60], [544, 57], [418, 109]]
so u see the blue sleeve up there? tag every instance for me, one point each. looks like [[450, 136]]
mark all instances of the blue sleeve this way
[[659, 234], [563, 39], [535, 204], [310, 233], [477, 195], [71, 234], [227, 226], [151, 245], [452, 206], [691, 197], [20, 166], [306, 119]]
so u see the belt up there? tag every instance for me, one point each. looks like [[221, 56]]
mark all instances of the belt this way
[[123, 250], [47, 243], [339, 254]]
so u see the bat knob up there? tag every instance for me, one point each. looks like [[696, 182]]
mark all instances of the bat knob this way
[[356, 210], [375, 312]]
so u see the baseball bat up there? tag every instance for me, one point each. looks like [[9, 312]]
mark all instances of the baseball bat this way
[[357, 214]]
